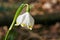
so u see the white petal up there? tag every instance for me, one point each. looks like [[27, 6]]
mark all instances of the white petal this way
[[29, 21], [20, 19], [30, 28]]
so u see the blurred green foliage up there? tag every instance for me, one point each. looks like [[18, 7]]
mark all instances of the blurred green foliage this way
[[12, 35]]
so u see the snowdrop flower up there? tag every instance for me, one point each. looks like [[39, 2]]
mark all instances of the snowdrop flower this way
[[25, 20]]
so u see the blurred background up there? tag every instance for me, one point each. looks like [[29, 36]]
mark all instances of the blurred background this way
[[46, 14]]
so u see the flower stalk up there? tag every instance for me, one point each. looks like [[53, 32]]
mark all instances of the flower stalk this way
[[15, 17], [28, 8]]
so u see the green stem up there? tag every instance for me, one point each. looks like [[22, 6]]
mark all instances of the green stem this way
[[28, 8], [16, 15]]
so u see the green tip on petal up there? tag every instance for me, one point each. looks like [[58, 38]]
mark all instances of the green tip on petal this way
[[23, 25]]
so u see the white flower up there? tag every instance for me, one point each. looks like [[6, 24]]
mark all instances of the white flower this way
[[25, 20]]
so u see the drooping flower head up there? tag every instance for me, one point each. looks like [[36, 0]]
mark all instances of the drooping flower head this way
[[25, 20]]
